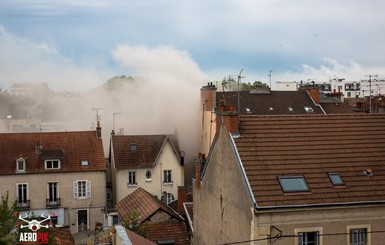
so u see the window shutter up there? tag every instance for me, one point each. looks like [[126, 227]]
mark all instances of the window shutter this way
[[88, 188], [75, 189]]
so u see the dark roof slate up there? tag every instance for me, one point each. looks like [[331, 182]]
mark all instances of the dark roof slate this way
[[312, 146], [279, 101]]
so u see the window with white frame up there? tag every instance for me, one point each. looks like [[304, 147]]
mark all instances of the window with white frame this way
[[309, 236], [52, 164], [148, 175], [132, 178], [167, 176], [22, 193], [169, 198], [20, 165], [359, 234], [81, 189]]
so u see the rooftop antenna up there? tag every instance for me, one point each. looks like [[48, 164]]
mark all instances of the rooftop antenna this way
[[97, 115], [370, 91], [270, 76], [239, 98]]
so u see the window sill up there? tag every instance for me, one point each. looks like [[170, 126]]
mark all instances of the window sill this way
[[148, 180], [167, 183], [132, 185]]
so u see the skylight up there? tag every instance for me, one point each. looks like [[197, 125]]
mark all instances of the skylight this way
[[290, 109], [293, 183], [336, 179], [248, 110], [308, 109]]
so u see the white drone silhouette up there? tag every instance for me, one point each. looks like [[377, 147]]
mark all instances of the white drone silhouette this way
[[34, 225]]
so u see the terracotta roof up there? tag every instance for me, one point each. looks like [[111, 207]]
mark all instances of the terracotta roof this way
[[147, 148], [279, 101], [70, 147], [145, 203], [136, 239], [313, 146], [62, 236], [173, 230]]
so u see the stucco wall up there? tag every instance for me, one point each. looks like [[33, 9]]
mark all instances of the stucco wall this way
[[222, 206], [166, 161], [37, 193], [331, 220]]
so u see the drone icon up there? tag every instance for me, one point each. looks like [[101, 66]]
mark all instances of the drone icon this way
[[34, 225]]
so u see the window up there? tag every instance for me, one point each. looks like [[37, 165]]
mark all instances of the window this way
[[84, 163], [20, 165], [308, 238], [53, 192], [290, 109], [169, 198], [22, 195], [358, 236], [148, 175], [132, 178], [293, 184], [167, 177], [81, 189], [52, 164], [133, 146], [336, 179], [308, 109]]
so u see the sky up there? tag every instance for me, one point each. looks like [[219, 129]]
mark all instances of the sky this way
[[79, 44]]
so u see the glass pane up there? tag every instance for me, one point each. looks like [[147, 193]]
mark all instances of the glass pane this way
[[293, 184]]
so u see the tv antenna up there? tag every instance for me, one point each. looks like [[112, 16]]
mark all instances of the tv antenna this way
[[97, 113], [370, 91]]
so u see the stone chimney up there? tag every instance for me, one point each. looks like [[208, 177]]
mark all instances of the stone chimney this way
[[182, 197]]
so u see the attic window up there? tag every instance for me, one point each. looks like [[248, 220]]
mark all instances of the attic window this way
[[84, 162], [271, 109], [293, 183], [336, 179], [133, 147], [20, 165], [308, 109], [290, 109], [248, 110]]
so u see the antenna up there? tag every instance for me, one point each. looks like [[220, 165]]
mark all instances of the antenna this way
[[97, 113], [370, 91], [270, 77], [239, 98]]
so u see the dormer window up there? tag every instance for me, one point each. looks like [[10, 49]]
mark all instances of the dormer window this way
[[52, 164], [133, 147], [20, 165]]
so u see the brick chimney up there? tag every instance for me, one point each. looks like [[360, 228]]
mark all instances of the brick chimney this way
[[182, 197], [208, 96], [229, 120], [98, 130], [314, 93]]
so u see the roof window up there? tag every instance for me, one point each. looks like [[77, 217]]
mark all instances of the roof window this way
[[308, 109], [290, 109], [293, 183], [133, 147], [248, 110], [368, 172], [336, 179], [271, 109]]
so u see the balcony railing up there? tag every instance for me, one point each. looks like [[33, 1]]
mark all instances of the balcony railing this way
[[53, 203], [24, 205]]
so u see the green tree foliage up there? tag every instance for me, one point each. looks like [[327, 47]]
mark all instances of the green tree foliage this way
[[8, 219], [132, 223]]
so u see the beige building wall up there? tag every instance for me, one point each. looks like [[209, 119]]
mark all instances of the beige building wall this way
[[37, 185], [166, 161], [223, 210]]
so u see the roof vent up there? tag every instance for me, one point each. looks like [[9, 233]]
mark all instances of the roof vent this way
[[368, 172]]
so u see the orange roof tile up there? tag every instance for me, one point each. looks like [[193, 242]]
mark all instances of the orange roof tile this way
[[172, 230], [312, 146], [70, 147], [146, 204]]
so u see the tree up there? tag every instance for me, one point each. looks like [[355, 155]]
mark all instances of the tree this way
[[132, 223], [8, 219]]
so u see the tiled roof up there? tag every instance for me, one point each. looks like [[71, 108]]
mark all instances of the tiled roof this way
[[145, 203], [62, 236], [145, 154], [172, 230], [70, 147], [337, 108], [137, 239], [275, 103], [313, 146]]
